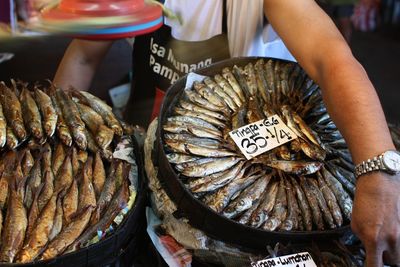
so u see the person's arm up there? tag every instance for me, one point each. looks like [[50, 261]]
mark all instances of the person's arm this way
[[80, 62], [354, 106]]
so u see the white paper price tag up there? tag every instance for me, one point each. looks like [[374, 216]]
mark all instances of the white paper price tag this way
[[262, 136], [302, 259]]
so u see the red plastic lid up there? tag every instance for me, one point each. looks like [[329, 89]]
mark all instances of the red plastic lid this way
[[135, 11]]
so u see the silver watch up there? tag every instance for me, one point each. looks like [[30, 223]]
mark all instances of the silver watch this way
[[388, 161]]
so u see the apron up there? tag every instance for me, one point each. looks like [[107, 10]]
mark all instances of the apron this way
[[159, 60]]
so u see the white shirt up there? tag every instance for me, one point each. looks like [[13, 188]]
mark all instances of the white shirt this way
[[247, 34]]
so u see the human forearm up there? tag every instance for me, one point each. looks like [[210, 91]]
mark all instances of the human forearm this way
[[354, 105], [348, 93], [79, 63]]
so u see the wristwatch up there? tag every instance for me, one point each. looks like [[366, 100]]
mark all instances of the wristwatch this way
[[388, 161]]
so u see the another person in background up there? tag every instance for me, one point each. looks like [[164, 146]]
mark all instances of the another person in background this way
[[319, 48], [341, 11]]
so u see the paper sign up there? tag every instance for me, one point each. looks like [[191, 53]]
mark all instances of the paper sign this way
[[302, 259], [262, 136]]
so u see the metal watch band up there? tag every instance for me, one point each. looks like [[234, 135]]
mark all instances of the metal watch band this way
[[369, 165]]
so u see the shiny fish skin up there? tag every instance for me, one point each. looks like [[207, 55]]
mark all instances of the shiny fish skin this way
[[47, 110], [204, 117], [210, 96], [279, 211], [62, 129], [215, 181], [296, 167], [291, 222], [15, 225], [350, 187], [90, 117], [87, 196], [27, 163], [193, 139], [205, 169], [343, 198], [58, 220], [104, 137], [239, 118], [313, 202], [31, 114], [230, 77], [118, 202], [260, 215], [229, 90], [99, 174], [192, 121], [221, 93], [12, 111], [72, 118], [47, 190], [40, 233], [193, 107], [322, 203], [224, 195], [68, 234], [197, 99], [33, 214], [262, 83], [195, 130], [105, 112], [240, 77], [11, 139], [64, 177], [303, 205], [107, 193], [70, 202], [58, 157], [182, 166], [330, 200], [33, 183], [312, 151], [185, 148], [177, 158], [247, 197], [3, 128]]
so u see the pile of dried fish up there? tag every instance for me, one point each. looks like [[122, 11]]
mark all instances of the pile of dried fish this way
[[304, 185], [83, 119], [57, 191]]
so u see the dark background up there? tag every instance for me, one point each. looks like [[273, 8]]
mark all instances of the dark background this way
[[37, 58]]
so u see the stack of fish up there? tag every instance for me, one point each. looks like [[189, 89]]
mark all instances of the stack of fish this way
[[304, 185], [57, 192], [83, 119]]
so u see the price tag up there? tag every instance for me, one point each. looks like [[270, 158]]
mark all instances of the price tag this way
[[262, 136], [302, 259]]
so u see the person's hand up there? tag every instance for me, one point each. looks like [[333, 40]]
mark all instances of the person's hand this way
[[376, 217]]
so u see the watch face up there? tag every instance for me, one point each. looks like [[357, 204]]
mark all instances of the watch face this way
[[391, 159]]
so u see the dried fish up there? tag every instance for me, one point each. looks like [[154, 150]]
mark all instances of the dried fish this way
[[260, 215], [72, 118], [47, 110], [31, 114], [3, 128], [68, 234], [105, 112], [12, 111]]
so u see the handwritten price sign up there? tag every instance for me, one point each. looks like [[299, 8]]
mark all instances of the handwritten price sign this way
[[262, 136]]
